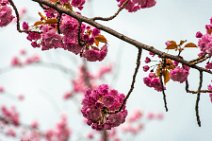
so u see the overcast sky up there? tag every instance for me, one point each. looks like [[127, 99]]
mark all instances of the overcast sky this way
[[168, 20]]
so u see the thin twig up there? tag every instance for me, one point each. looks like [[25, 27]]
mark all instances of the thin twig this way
[[17, 17], [113, 16], [195, 92], [138, 62], [58, 22], [198, 99], [80, 41], [199, 60], [161, 81]]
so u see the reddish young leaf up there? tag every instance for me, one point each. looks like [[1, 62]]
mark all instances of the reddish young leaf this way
[[51, 21], [171, 45], [190, 45], [101, 38], [166, 76], [38, 23]]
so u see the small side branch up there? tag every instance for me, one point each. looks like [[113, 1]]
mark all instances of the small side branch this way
[[58, 23], [138, 63], [162, 85], [195, 92], [199, 60], [80, 41], [17, 16], [113, 16]]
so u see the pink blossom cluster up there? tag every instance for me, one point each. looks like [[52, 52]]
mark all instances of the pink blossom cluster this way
[[78, 3], [11, 115], [208, 65], [179, 74], [49, 38], [98, 105], [61, 133], [6, 16], [75, 3], [205, 40], [153, 81], [79, 85], [3, 2], [134, 5], [19, 61]]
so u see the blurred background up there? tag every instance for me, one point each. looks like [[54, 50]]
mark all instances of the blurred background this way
[[43, 85]]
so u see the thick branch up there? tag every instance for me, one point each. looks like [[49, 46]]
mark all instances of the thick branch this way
[[127, 39]]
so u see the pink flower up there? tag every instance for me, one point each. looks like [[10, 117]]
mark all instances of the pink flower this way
[[205, 44], [60, 133], [205, 41], [136, 116], [90, 136], [71, 44], [208, 65], [6, 16], [67, 95], [78, 3], [134, 5], [50, 40], [10, 132], [3, 2], [69, 26], [146, 68], [25, 26], [179, 74], [11, 115], [64, 1], [147, 60], [95, 54], [198, 34], [2, 89], [97, 104], [16, 62], [153, 81], [33, 36]]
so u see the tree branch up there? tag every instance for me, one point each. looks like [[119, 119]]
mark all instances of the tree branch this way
[[116, 34]]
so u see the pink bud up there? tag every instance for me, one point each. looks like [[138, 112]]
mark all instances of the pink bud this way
[[198, 34]]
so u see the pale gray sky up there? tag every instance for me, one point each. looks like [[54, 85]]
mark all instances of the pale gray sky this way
[[171, 19]]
